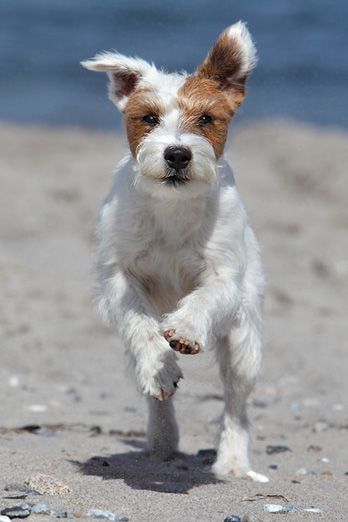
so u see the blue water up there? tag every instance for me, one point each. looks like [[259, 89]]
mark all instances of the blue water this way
[[302, 45]]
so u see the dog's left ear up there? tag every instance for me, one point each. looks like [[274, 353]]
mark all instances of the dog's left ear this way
[[230, 62], [124, 74]]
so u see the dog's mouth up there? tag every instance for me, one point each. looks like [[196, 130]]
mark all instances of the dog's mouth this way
[[176, 179]]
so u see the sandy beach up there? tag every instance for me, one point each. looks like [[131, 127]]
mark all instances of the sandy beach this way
[[68, 406]]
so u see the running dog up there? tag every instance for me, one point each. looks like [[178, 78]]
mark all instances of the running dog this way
[[179, 267]]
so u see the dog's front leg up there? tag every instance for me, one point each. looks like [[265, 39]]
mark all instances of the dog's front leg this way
[[125, 302], [208, 310]]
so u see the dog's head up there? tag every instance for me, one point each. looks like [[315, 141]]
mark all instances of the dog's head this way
[[177, 124]]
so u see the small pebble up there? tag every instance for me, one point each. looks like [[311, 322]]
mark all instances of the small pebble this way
[[205, 453], [46, 485], [314, 510], [16, 496], [257, 476], [30, 428], [21, 510], [233, 518], [108, 515], [19, 490], [271, 450], [273, 466], [290, 507], [36, 408], [4, 518], [274, 508], [44, 509]]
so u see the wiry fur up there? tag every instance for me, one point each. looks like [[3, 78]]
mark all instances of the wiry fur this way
[[179, 267]]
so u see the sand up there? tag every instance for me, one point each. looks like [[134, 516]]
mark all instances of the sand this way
[[63, 374]]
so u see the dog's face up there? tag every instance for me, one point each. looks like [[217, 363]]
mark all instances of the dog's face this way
[[177, 124]]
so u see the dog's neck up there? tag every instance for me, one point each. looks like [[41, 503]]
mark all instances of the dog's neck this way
[[177, 219], [180, 220]]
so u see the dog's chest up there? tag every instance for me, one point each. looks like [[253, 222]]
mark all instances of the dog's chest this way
[[168, 273], [163, 245]]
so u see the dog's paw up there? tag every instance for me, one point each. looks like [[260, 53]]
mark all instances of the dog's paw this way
[[164, 395], [159, 379], [181, 344], [156, 387]]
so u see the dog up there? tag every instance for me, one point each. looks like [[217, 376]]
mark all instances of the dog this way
[[179, 267]]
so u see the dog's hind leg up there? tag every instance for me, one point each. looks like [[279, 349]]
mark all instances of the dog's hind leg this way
[[239, 357], [162, 431]]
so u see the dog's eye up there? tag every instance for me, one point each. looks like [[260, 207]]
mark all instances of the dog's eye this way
[[205, 120], [150, 119]]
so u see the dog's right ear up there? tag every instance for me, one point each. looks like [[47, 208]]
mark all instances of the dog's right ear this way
[[124, 74]]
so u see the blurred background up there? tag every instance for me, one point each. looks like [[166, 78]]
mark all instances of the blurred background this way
[[302, 73]]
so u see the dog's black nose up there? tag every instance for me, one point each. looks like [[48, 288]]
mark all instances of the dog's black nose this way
[[177, 158]]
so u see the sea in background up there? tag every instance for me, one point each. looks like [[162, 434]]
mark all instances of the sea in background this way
[[302, 45]]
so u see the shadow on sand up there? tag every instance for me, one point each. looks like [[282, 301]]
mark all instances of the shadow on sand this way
[[139, 470]]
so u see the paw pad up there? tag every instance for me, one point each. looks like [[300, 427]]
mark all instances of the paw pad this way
[[182, 345]]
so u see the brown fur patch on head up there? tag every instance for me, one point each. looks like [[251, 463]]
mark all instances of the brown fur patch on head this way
[[141, 102], [223, 64], [202, 97]]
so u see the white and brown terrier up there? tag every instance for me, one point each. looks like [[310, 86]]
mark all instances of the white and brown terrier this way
[[179, 267]]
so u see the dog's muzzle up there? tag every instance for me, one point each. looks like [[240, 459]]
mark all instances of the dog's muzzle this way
[[177, 160]]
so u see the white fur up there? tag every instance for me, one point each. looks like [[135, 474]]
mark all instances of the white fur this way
[[147, 74], [240, 33], [151, 164], [184, 259]]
